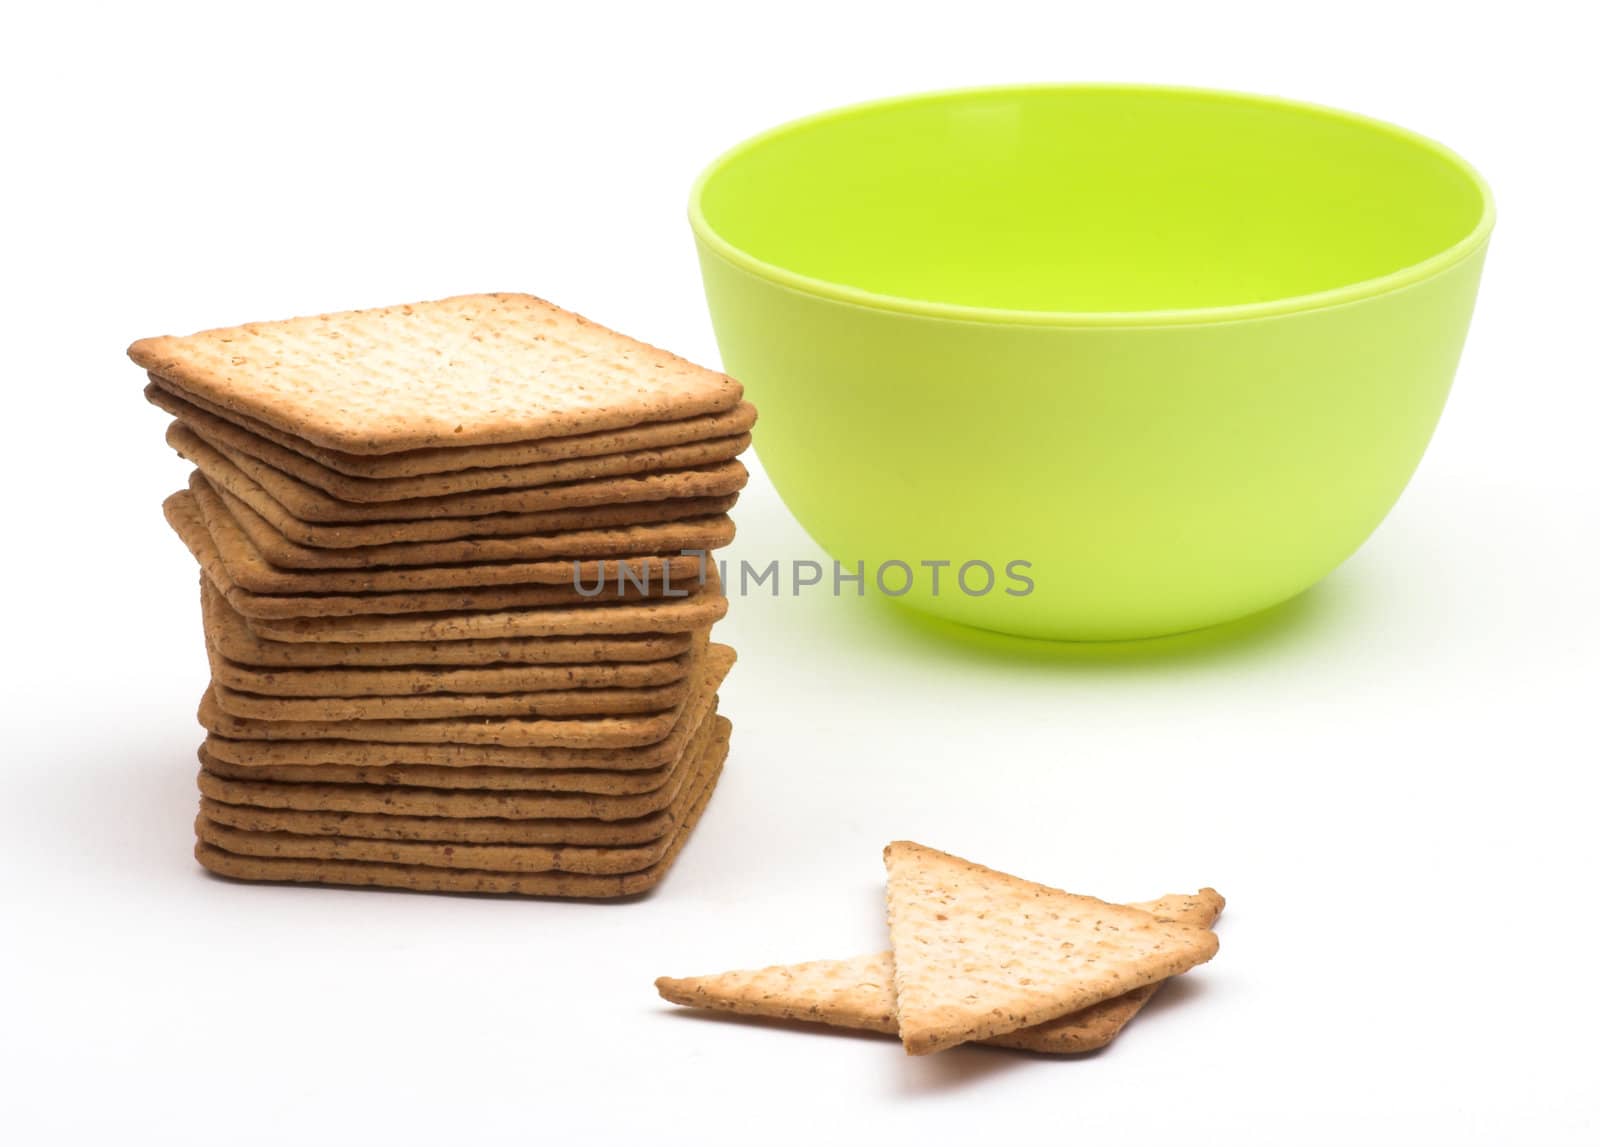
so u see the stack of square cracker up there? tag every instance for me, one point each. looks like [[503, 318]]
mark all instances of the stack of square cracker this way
[[457, 589]]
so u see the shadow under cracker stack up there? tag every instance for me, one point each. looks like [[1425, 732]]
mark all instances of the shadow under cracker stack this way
[[427, 669]]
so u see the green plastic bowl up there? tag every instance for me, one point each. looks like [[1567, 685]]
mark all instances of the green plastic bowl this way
[[1179, 351]]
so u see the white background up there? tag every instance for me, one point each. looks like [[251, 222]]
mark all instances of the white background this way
[[1392, 779]]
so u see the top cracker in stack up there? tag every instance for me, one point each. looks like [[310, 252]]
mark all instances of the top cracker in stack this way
[[471, 371], [447, 484]]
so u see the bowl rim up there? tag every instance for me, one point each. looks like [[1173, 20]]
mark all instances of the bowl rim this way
[[1406, 276]]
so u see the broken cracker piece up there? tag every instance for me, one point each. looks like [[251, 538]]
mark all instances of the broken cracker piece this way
[[980, 953], [859, 993]]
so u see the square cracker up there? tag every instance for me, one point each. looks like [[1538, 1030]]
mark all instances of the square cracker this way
[[583, 702], [407, 812], [466, 623], [487, 778], [450, 459], [428, 878], [279, 550], [431, 680], [228, 631], [222, 435], [528, 732], [345, 700], [463, 371], [444, 764], [859, 992], [664, 556], [183, 514], [980, 953], [508, 732], [512, 771], [302, 512], [535, 845], [524, 539]]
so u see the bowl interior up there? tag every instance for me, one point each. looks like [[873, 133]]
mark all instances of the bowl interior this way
[[1089, 200]]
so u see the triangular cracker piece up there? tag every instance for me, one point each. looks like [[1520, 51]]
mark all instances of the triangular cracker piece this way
[[859, 993], [856, 993], [979, 953]]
